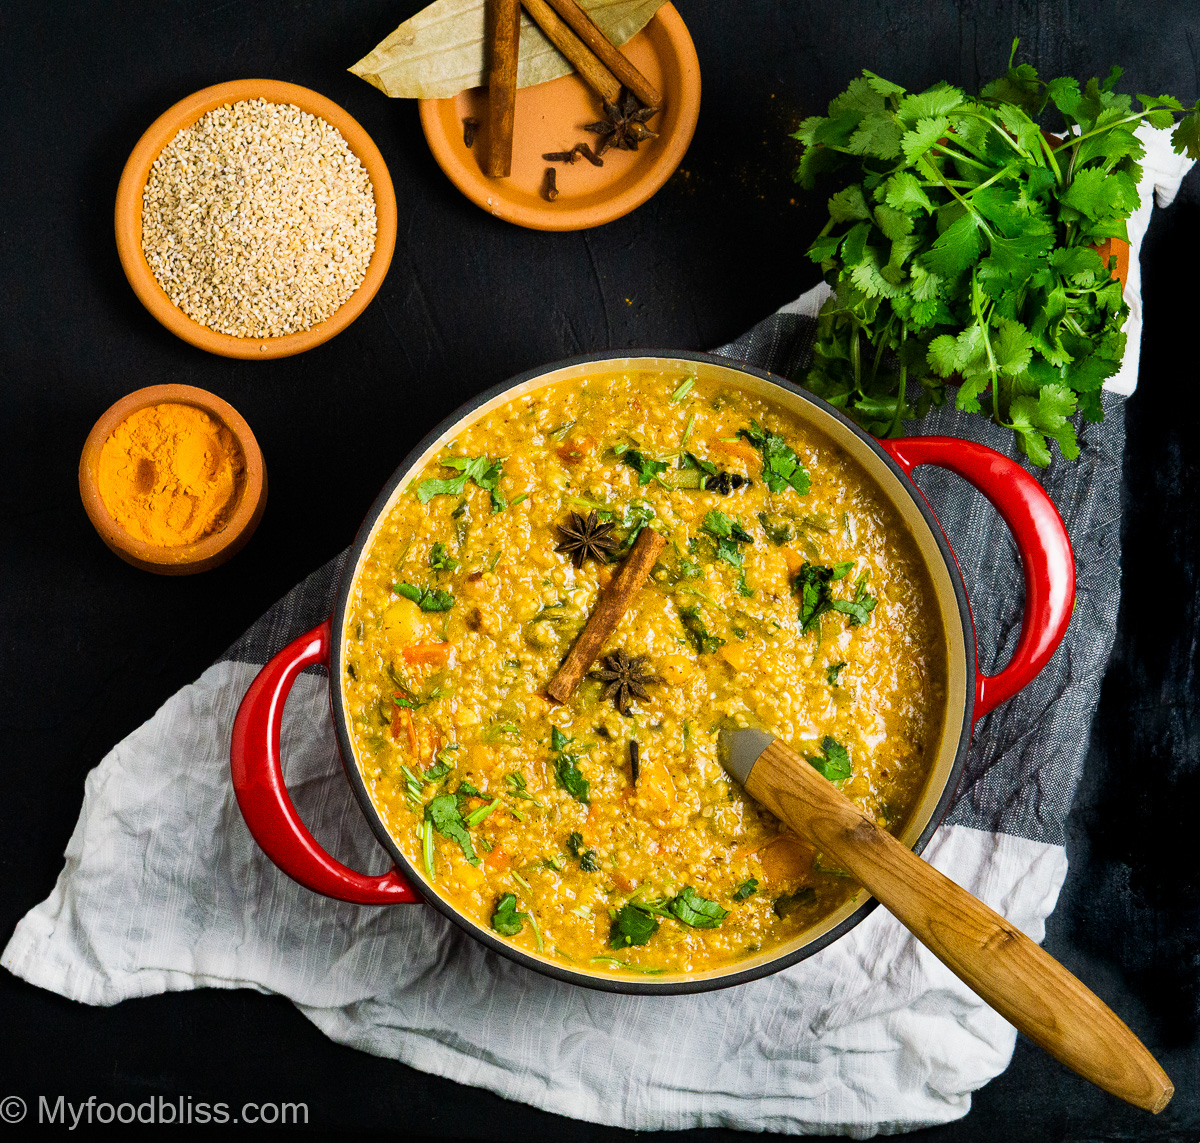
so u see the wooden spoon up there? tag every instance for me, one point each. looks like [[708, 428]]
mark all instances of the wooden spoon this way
[[1015, 976]]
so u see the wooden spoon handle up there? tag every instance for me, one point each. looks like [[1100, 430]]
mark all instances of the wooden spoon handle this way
[[1014, 975]]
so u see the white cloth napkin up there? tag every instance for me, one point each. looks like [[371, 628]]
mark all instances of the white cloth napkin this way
[[163, 889]]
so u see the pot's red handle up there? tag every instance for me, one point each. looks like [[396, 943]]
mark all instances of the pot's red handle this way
[[1041, 540], [258, 783]]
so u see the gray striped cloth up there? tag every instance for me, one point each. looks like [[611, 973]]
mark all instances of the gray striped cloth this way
[[163, 887]]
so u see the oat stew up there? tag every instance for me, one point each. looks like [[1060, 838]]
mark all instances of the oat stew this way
[[602, 835]]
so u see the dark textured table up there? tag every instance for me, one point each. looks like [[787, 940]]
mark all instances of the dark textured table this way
[[92, 647]]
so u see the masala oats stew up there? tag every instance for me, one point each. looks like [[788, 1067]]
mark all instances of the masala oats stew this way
[[603, 833]]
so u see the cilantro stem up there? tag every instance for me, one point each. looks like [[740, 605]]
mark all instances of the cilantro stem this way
[[959, 156], [1075, 140], [536, 931], [427, 849], [1049, 151], [480, 814]]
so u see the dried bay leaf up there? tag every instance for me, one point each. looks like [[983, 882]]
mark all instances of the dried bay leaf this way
[[441, 50]]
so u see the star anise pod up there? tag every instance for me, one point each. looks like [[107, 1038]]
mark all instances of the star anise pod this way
[[624, 124], [625, 678], [584, 537]]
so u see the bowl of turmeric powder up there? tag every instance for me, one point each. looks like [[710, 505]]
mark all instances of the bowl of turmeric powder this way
[[173, 479]]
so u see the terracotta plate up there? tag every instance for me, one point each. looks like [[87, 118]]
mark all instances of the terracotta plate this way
[[550, 117], [128, 218]]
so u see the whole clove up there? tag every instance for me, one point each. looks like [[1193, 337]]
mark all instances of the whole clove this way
[[551, 190], [634, 761], [470, 131], [574, 153]]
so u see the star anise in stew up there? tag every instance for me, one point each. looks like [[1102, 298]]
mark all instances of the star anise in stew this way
[[625, 678], [585, 537], [624, 124]]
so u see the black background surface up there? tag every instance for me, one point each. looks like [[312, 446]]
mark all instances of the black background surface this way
[[90, 647]]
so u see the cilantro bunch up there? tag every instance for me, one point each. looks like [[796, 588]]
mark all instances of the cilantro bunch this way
[[961, 247]]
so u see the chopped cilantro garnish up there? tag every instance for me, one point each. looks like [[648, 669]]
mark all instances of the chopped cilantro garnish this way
[[858, 609], [440, 559], [566, 767], [812, 584], [506, 920], [778, 531], [646, 467], [833, 761], [443, 767], [816, 599], [518, 789], [693, 624], [444, 815], [696, 911], [781, 466], [746, 889], [831, 673], [685, 387], [632, 925], [788, 903], [426, 598], [586, 857], [485, 471]]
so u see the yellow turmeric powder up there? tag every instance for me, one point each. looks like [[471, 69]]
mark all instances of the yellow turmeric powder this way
[[170, 474]]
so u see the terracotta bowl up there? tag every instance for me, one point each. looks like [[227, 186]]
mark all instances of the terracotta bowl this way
[[549, 117], [129, 218], [209, 551]]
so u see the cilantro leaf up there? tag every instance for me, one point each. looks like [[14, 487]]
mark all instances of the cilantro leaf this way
[[443, 814], [426, 598], [782, 468], [586, 857], [746, 889], [646, 467], [484, 471], [778, 532], [812, 583], [693, 624], [833, 761], [632, 925], [696, 911], [440, 559], [566, 767], [505, 918], [832, 671]]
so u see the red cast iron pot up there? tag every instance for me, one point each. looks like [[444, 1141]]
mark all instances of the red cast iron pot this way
[[1033, 520]]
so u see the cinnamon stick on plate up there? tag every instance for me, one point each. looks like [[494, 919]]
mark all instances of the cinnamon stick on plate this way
[[505, 31], [610, 55], [583, 59], [610, 607]]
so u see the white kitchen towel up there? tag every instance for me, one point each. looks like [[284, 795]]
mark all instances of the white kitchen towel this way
[[163, 888]]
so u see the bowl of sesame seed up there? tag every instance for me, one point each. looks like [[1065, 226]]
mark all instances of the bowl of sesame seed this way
[[255, 219]]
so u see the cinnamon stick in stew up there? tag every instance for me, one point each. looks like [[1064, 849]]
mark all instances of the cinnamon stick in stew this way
[[502, 85], [610, 607], [610, 55], [583, 59]]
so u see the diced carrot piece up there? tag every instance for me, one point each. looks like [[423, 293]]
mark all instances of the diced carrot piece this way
[[411, 727], [793, 559], [575, 449], [739, 450], [427, 654], [499, 860], [622, 882]]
